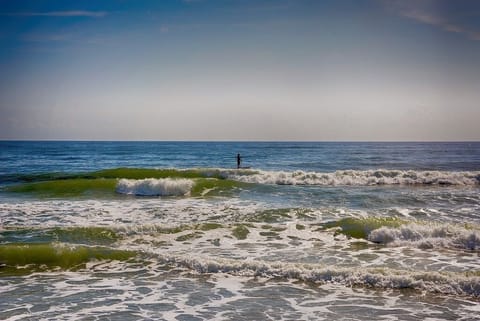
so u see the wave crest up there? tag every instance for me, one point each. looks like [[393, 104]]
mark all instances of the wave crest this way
[[155, 187], [362, 178]]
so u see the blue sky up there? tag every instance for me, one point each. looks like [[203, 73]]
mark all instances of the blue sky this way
[[240, 70]]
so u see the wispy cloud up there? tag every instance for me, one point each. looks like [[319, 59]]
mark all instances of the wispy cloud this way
[[71, 13], [431, 13]]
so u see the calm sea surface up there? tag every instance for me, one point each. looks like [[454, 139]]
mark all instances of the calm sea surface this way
[[304, 231]]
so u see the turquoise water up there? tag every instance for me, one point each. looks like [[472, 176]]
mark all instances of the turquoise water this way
[[173, 231]]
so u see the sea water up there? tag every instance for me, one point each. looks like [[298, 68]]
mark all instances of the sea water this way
[[174, 231]]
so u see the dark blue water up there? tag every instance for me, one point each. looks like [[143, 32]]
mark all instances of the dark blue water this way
[[62, 156]]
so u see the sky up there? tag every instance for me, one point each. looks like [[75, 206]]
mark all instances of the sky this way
[[307, 70]]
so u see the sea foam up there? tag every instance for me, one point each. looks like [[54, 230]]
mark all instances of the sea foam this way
[[155, 187], [361, 178]]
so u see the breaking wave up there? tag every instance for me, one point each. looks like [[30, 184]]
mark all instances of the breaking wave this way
[[399, 232], [155, 187], [434, 282], [202, 181], [361, 178], [427, 236]]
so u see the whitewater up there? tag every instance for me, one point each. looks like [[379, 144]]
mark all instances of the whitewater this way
[[174, 231]]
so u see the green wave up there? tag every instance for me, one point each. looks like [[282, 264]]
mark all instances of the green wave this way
[[38, 177], [121, 172], [215, 187], [360, 227], [24, 258], [75, 235], [106, 187], [67, 188], [141, 173]]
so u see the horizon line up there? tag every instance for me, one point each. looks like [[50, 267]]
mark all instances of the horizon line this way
[[238, 141]]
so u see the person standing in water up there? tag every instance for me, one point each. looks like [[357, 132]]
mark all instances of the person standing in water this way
[[239, 160]]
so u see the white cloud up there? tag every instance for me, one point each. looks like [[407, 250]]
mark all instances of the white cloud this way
[[430, 12]]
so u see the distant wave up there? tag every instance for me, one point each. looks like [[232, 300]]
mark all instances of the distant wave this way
[[360, 178], [216, 181], [155, 187], [298, 177]]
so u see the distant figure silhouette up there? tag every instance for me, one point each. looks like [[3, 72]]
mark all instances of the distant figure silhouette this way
[[239, 160]]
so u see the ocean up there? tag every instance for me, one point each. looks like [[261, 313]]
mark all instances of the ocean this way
[[303, 231]]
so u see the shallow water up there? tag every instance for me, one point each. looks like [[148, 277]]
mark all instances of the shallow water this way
[[313, 231]]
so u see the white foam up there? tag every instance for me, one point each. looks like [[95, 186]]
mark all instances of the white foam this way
[[155, 187], [428, 236], [122, 212], [360, 178], [434, 282]]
